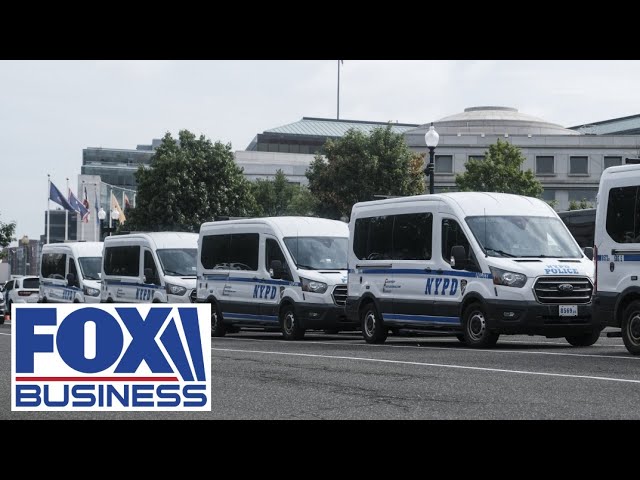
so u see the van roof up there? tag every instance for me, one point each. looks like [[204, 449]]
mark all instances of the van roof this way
[[159, 239], [619, 170], [79, 249], [470, 204], [289, 226]]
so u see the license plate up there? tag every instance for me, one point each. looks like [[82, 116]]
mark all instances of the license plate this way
[[568, 310]]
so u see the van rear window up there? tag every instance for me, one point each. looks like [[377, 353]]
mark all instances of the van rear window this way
[[623, 215]]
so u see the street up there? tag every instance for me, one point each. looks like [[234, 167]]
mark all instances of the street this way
[[257, 375]]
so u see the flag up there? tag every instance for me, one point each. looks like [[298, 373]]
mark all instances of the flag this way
[[116, 205], [77, 206], [127, 203], [56, 196], [85, 202]]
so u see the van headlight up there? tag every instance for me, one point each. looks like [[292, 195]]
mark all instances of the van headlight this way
[[313, 286], [92, 292], [506, 278], [176, 289]]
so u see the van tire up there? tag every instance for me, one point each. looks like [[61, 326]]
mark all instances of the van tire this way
[[584, 340], [460, 337], [373, 329], [217, 325], [631, 327], [474, 328], [290, 325]]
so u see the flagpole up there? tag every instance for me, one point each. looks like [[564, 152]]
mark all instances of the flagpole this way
[[110, 208], [338, 90], [66, 217], [82, 219], [48, 197]]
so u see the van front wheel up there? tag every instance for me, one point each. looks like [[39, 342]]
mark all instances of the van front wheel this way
[[585, 340], [373, 329], [631, 327], [217, 327], [474, 328], [291, 329]]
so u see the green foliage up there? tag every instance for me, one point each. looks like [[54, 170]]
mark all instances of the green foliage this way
[[359, 166], [278, 197], [553, 203], [7, 232], [499, 171], [189, 183], [581, 205]]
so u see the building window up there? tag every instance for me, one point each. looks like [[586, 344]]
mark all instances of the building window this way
[[273, 147], [545, 165], [579, 165], [444, 164], [612, 161], [584, 194], [476, 157], [548, 194]]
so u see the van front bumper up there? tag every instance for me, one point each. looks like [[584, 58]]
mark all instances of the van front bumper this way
[[323, 316], [515, 317]]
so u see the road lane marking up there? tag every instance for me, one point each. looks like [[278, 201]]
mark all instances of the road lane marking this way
[[423, 364], [390, 345], [7, 334]]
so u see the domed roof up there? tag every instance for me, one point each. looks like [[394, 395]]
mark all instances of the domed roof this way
[[497, 120]]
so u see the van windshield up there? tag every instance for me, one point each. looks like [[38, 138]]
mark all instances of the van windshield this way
[[90, 267], [179, 262], [511, 236], [318, 253]]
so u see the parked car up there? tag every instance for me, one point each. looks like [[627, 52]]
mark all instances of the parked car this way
[[21, 290]]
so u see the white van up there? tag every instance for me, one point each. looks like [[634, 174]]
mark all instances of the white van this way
[[283, 272], [70, 272], [617, 253], [150, 268], [474, 264]]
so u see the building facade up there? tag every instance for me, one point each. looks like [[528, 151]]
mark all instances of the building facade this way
[[24, 259]]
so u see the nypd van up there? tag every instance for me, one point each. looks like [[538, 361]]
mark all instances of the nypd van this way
[[70, 272], [150, 268], [284, 272], [474, 264], [617, 253]]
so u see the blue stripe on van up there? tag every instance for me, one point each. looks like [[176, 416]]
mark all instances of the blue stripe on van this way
[[53, 285], [422, 318], [220, 278], [615, 258], [249, 316], [421, 271], [132, 284]]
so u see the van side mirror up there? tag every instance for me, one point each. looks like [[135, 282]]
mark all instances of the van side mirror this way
[[148, 275], [277, 271], [71, 279], [588, 252], [458, 257]]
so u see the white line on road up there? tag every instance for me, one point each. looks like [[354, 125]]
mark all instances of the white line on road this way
[[387, 345], [440, 365], [7, 334]]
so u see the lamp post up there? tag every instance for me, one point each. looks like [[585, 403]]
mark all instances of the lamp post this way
[[115, 215], [101, 216], [24, 241], [431, 138]]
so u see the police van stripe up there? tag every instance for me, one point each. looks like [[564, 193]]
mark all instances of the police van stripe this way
[[249, 316], [132, 284], [220, 278], [422, 318], [619, 258], [53, 285], [422, 271]]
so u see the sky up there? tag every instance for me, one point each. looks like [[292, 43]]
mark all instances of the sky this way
[[51, 110]]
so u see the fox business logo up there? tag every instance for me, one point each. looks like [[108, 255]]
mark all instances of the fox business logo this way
[[114, 357]]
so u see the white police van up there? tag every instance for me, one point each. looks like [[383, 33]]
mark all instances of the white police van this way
[[70, 272], [283, 272], [474, 264], [150, 267], [617, 253]]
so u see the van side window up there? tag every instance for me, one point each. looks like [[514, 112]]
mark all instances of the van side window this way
[[151, 264], [215, 252], [623, 215], [74, 271], [274, 252], [453, 235], [243, 251], [373, 238], [412, 236], [53, 265], [123, 261]]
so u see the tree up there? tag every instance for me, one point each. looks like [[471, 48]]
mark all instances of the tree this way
[[190, 181], [359, 166], [499, 171], [278, 197], [581, 205], [7, 232]]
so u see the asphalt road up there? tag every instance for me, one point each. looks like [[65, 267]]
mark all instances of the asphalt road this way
[[256, 375]]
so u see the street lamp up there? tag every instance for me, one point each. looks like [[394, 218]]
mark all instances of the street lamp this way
[[24, 241], [431, 138]]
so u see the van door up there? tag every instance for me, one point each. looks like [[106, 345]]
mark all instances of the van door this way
[[72, 287], [53, 271], [150, 278], [271, 290], [122, 269], [240, 304]]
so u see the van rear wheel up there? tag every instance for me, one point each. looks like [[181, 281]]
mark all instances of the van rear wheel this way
[[631, 327], [474, 328], [217, 326], [373, 329]]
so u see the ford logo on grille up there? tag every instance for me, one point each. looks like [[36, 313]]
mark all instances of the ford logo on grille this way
[[565, 287]]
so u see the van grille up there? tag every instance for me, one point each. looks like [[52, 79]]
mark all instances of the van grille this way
[[340, 295], [561, 290], [192, 296]]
